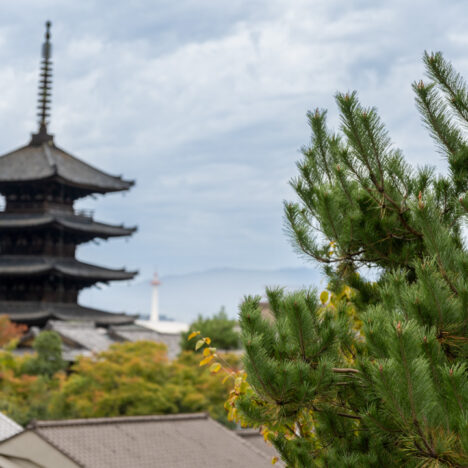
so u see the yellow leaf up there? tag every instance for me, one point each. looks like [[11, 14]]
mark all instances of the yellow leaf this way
[[206, 360], [347, 292], [324, 297], [207, 340], [274, 460], [199, 344], [226, 377], [238, 382], [243, 387], [193, 335], [215, 367], [206, 351]]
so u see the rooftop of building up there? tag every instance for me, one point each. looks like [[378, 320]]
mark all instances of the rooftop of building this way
[[45, 162], [176, 441]]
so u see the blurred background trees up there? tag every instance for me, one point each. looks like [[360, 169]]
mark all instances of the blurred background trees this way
[[127, 379]]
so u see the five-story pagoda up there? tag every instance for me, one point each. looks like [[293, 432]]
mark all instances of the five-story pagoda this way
[[40, 278]]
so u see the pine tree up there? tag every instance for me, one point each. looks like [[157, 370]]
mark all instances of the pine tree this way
[[371, 373]]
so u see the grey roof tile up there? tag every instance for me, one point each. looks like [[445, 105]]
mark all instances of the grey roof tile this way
[[175, 441], [46, 161], [83, 333]]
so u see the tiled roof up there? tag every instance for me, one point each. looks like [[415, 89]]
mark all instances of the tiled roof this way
[[138, 333], [30, 312], [47, 161], [8, 427], [84, 334], [72, 222], [173, 441], [11, 265]]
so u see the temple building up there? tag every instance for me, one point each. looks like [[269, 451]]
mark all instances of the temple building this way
[[40, 229]]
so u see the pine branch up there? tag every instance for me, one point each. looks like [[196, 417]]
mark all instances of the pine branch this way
[[338, 370], [451, 82], [434, 115]]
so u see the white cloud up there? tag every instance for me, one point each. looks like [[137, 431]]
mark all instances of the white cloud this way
[[204, 104]]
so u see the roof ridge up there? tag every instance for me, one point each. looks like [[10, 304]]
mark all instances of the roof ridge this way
[[50, 160], [116, 419], [94, 168]]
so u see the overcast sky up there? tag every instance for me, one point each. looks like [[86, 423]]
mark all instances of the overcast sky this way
[[203, 103]]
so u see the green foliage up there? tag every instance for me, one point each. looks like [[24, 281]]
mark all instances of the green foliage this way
[[376, 374], [48, 359], [128, 379], [25, 393], [219, 328]]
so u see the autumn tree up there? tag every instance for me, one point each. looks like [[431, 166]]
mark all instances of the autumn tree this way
[[10, 331], [138, 379], [27, 382], [127, 379], [371, 373]]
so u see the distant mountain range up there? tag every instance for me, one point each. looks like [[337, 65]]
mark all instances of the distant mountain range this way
[[183, 297]]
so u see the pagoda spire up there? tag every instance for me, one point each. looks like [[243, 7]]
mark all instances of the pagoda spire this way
[[45, 91]]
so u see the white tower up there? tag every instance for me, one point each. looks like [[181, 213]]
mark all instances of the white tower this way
[[154, 318], [154, 323]]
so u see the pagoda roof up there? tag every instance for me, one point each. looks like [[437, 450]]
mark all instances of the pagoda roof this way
[[79, 223], [16, 265], [40, 312], [46, 161]]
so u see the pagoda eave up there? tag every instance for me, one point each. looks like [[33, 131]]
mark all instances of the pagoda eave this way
[[38, 313], [47, 162], [90, 188], [17, 266], [85, 189], [72, 223]]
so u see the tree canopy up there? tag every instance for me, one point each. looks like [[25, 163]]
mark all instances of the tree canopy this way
[[371, 373], [9, 331], [128, 379]]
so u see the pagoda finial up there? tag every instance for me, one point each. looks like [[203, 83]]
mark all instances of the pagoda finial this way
[[45, 90]]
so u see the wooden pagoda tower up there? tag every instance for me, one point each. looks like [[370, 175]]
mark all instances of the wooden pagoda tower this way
[[40, 278]]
